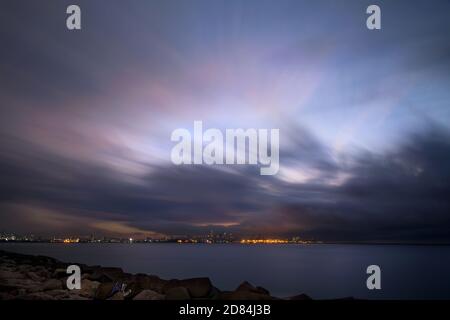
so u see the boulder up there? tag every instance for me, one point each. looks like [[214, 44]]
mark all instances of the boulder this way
[[58, 293], [24, 268], [52, 284], [6, 296], [36, 296], [59, 273], [88, 269], [262, 290], [104, 291], [43, 273], [12, 284], [107, 274], [247, 287], [21, 292], [170, 284], [74, 297], [177, 293], [33, 276], [6, 274], [214, 294], [117, 296], [345, 299], [150, 282], [301, 296], [35, 288], [7, 261], [197, 287], [149, 295], [88, 288], [43, 260]]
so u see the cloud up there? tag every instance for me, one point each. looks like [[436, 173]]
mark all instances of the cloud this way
[[85, 119], [400, 195], [122, 229]]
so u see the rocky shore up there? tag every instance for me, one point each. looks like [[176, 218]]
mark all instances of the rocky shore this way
[[29, 277]]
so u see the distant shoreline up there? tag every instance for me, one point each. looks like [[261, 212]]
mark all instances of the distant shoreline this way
[[237, 243]]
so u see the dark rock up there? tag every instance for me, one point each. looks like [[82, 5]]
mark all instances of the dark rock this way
[[6, 296], [214, 294], [88, 269], [5, 274], [36, 296], [170, 284], [43, 260], [27, 277], [42, 272], [300, 297], [74, 296], [262, 290], [197, 287], [150, 282], [104, 291], [107, 274], [59, 273], [117, 296], [33, 276], [177, 293], [149, 295], [21, 292], [58, 293], [88, 288], [247, 287], [24, 268], [12, 284], [345, 299], [52, 284]]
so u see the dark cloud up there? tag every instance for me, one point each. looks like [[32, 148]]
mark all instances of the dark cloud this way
[[85, 118], [401, 195]]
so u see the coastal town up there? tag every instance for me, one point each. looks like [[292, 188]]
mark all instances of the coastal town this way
[[210, 238]]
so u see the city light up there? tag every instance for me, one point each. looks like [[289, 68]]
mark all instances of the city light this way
[[209, 238], [69, 240], [264, 241]]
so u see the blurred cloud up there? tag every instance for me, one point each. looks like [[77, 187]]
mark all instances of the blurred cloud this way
[[85, 118], [397, 195]]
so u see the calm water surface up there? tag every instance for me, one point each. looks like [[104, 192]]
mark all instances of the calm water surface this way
[[321, 271]]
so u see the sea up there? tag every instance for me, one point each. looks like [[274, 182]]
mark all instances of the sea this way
[[322, 271]]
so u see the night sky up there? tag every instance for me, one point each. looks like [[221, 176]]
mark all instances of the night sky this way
[[86, 118]]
